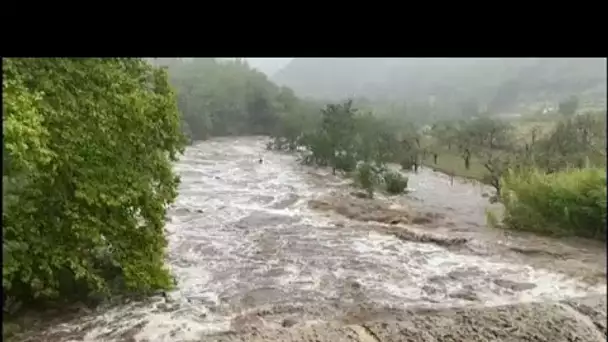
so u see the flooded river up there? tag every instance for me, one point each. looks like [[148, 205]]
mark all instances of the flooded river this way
[[248, 250]]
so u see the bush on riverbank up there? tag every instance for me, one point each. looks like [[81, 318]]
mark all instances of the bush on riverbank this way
[[88, 145], [365, 177], [394, 182], [571, 202]]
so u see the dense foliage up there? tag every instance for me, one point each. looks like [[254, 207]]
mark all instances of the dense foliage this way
[[551, 182], [571, 202], [218, 98], [345, 139], [88, 145], [497, 145], [395, 182]]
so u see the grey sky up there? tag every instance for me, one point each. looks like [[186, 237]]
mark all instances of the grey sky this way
[[268, 65]]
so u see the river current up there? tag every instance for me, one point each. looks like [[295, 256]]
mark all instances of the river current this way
[[247, 249]]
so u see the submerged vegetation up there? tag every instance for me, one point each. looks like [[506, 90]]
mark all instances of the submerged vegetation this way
[[395, 182]]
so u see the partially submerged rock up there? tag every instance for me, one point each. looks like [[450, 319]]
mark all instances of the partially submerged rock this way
[[289, 322], [374, 211], [360, 194], [440, 240], [514, 286], [247, 323], [258, 219], [359, 207]]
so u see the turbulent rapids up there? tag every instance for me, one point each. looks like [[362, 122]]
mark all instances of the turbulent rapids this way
[[252, 248]]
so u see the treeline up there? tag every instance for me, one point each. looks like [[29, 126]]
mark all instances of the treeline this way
[[362, 144], [347, 140], [87, 175], [227, 97], [574, 142]]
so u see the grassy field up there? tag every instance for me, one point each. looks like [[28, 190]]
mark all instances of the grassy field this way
[[524, 128], [450, 162]]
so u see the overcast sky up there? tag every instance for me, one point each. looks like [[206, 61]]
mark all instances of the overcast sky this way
[[268, 65]]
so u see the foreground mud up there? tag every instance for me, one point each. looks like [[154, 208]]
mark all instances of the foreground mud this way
[[275, 246], [582, 319]]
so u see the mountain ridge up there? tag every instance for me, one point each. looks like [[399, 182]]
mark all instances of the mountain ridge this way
[[501, 83]]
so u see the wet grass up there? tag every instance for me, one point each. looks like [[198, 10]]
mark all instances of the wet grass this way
[[524, 128], [451, 163]]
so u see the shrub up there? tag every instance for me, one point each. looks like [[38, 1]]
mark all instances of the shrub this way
[[345, 162], [491, 219], [365, 177], [571, 202], [394, 182]]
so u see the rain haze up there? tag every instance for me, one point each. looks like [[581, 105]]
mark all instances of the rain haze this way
[[268, 65], [298, 199]]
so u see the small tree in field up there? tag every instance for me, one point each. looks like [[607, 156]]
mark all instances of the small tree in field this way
[[338, 125]]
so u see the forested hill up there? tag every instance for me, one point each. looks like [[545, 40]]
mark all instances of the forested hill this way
[[501, 83], [219, 97]]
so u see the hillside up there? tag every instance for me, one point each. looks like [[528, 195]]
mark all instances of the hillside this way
[[501, 83]]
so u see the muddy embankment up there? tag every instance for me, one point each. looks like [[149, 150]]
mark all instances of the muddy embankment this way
[[277, 251]]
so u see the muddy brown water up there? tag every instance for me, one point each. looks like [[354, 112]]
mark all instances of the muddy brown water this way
[[248, 251]]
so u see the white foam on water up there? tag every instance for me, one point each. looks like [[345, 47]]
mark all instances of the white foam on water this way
[[218, 263]]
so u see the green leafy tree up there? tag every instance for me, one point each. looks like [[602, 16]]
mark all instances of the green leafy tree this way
[[366, 177], [394, 182], [319, 149], [375, 140], [219, 98], [491, 142], [445, 133], [90, 143], [338, 126], [573, 143]]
